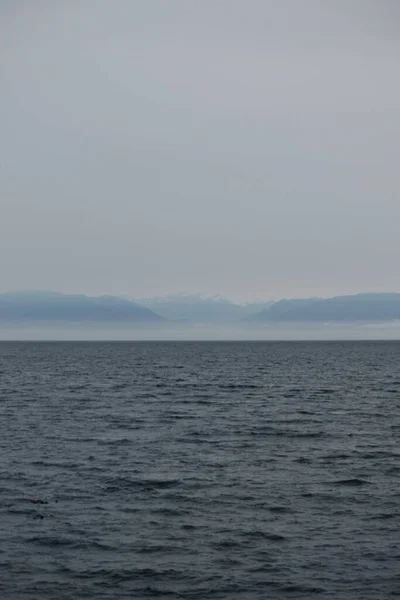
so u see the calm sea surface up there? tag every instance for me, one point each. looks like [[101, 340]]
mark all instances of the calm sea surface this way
[[199, 471]]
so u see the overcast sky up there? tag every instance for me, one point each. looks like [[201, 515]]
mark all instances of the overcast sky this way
[[242, 147]]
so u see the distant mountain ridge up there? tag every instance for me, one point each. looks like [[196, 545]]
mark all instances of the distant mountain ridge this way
[[191, 310], [354, 308], [280, 308], [200, 309], [54, 306]]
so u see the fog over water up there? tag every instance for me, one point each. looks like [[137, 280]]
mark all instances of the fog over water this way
[[371, 331]]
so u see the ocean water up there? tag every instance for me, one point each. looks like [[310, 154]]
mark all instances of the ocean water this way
[[200, 470]]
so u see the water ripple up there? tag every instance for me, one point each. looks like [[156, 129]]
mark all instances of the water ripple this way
[[199, 471]]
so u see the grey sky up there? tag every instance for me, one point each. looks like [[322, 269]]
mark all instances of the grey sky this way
[[248, 148]]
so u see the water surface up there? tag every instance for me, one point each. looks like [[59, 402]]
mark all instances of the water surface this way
[[199, 470]]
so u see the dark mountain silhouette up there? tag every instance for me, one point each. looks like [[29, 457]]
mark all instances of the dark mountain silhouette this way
[[359, 307], [53, 306]]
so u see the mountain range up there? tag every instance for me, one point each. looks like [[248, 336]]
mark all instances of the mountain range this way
[[53, 306], [187, 309], [201, 309], [356, 308]]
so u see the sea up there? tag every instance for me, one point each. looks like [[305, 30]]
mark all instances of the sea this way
[[197, 470]]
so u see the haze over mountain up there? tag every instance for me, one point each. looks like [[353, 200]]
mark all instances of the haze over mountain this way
[[201, 309], [278, 309], [52, 306], [183, 316], [357, 308]]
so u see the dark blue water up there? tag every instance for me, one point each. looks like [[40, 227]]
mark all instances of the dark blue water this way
[[199, 470]]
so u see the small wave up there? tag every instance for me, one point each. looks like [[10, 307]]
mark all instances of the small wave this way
[[263, 568], [288, 433], [175, 417], [54, 542], [239, 386], [119, 386], [278, 509], [153, 549], [195, 437], [34, 500], [21, 511], [305, 434], [384, 516], [178, 498], [168, 512], [51, 541], [230, 543], [392, 470], [120, 442], [121, 483], [265, 535], [302, 460], [302, 589], [321, 496], [53, 463], [78, 388], [353, 482], [150, 591], [379, 454], [119, 576], [332, 457]]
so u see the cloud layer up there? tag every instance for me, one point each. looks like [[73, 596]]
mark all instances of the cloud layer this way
[[247, 148]]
